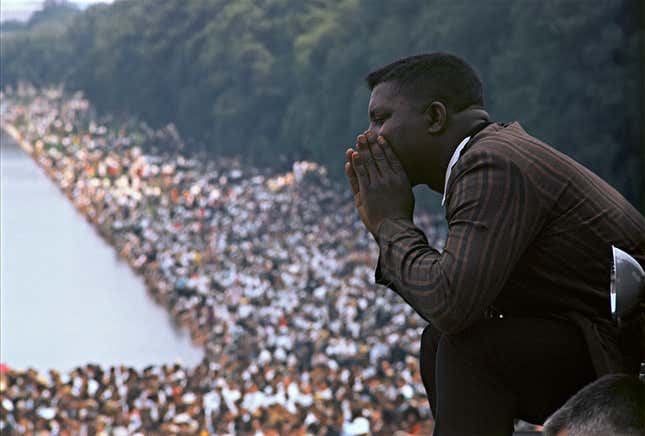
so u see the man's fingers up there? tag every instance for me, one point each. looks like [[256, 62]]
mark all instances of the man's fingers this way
[[351, 176], [350, 171], [361, 171], [367, 159], [379, 156], [394, 161], [348, 154]]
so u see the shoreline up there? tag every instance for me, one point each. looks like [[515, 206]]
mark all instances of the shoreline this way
[[16, 136], [178, 321], [266, 317]]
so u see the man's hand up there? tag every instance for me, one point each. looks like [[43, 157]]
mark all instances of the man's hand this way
[[380, 185]]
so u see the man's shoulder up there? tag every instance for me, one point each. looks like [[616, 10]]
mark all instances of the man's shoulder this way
[[509, 144], [508, 141], [562, 185], [492, 146], [508, 157]]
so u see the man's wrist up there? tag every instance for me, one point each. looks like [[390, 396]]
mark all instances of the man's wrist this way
[[387, 231], [388, 227]]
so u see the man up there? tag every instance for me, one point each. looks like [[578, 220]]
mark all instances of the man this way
[[518, 300], [613, 405]]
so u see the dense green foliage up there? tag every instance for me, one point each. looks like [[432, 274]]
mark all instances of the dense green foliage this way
[[271, 78]]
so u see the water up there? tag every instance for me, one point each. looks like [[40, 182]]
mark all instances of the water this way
[[66, 298]]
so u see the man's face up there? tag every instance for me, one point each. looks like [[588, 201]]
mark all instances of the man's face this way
[[401, 122]]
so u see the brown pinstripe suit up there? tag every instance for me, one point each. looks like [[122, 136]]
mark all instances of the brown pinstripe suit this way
[[530, 234]]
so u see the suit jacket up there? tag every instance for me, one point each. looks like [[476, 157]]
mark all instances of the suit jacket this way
[[529, 234]]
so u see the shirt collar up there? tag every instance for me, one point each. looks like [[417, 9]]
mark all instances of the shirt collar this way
[[453, 161]]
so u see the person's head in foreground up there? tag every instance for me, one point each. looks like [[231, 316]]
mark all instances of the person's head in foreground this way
[[423, 105], [612, 405]]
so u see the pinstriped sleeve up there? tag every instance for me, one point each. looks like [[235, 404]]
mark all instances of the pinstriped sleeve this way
[[492, 218], [398, 240]]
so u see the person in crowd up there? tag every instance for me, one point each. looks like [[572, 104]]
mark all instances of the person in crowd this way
[[517, 300], [265, 270], [612, 405]]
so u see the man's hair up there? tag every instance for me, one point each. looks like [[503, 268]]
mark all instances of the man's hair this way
[[612, 405], [435, 76]]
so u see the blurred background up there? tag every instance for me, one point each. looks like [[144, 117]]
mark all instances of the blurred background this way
[[279, 80], [180, 252]]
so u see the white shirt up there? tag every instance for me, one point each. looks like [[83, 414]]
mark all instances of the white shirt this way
[[453, 161]]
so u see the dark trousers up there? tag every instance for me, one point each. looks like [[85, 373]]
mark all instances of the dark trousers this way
[[480, 379]]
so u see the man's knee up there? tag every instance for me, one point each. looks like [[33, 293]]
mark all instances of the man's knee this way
[[453, 347], [430, 340], [469, 350], [427, 355], [426, 339], [460, 343]]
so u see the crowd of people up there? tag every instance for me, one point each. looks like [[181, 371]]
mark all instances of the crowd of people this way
[[271, 272]]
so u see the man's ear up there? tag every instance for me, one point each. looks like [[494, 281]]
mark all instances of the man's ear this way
[[436, 117]]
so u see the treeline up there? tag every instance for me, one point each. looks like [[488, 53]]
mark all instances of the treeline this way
[[277, 80]]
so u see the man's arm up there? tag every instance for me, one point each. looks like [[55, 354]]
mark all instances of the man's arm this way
[[492, 218]]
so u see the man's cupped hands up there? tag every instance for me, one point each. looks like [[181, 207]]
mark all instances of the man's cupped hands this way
[[380, 184]]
